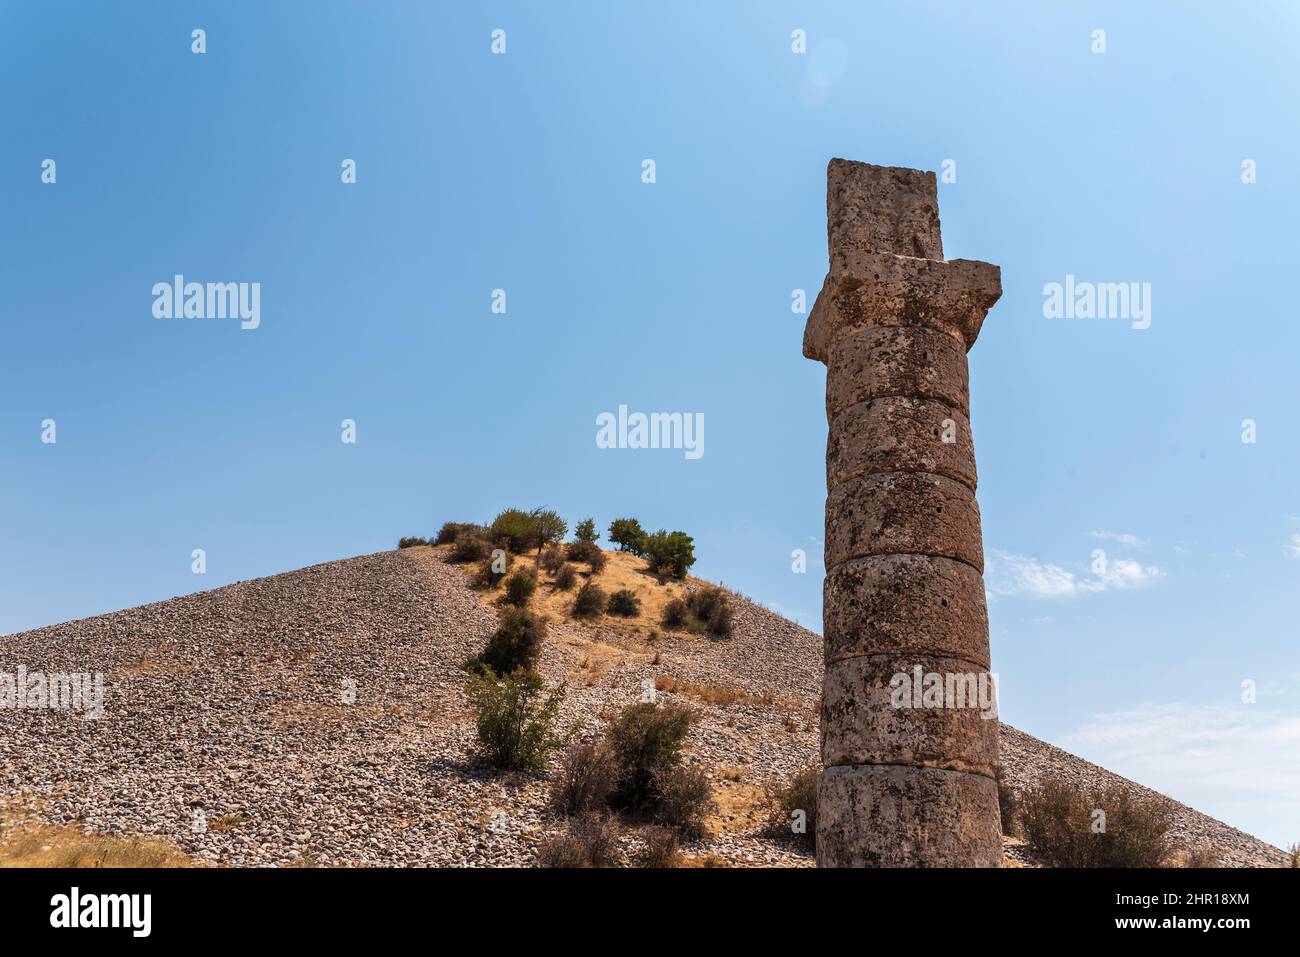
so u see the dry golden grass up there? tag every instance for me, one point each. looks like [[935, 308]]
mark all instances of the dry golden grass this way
[[44, 846], [718, 695], [622, 571], [228, 822]]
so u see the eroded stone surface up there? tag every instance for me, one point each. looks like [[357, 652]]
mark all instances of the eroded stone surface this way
[[905, 604], [902, 513], [882, 209], [879, 289], [896, 434], [870, 716], [891, 816], [879, 361]]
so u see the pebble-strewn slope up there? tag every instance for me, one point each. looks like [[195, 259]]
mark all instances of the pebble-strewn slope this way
[[231, 707]]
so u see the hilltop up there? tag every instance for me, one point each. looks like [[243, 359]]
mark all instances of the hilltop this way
[[232, 707]]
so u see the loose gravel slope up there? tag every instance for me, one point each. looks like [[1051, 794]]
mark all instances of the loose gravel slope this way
[[319, 717]]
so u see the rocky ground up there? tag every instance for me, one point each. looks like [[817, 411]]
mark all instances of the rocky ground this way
[[319, 717]]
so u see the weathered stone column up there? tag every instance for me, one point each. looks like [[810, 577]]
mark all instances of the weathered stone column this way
[[902, 786]]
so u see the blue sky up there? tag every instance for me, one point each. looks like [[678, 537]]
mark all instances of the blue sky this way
[[522, 172]]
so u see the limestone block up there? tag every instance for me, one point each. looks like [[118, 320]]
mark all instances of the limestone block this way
[[902, 513], [905, 604]]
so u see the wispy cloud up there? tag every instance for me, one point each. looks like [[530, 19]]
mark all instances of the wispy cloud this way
[[1124, 538], [1292, 546], [1006, 573], [1225, 760]]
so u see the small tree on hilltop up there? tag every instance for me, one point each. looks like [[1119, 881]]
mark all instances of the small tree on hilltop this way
[[514, 528], [547, 527], [628, 535], [672, 553], [586, 531]]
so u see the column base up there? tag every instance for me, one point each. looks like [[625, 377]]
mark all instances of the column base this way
[[897, 816]]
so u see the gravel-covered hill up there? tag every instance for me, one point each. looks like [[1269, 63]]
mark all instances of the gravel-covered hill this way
[[319, 716]]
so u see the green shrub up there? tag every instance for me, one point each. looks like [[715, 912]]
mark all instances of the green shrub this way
[[547, 527], [516, 718], [675, 613], [647, 740], [1059, 820], [792, 807], [624, 604], [684, 801], [513, 528], [566, 577], [584, 780], [590, 602], [589, 840], [589, 553], [660, 848], [411, 541], [628, 535], [586, 531], [520, 587], [670, 553], [704, 610], [517, 642]]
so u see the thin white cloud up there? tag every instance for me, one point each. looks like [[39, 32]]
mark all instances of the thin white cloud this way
[[1124, 538], [1292, 546], [1228, 761], [1006, 573]]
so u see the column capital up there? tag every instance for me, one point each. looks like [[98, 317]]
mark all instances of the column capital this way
[[880, 289], [886, 260]]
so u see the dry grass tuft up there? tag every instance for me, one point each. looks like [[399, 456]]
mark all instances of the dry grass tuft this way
[[45, 846]]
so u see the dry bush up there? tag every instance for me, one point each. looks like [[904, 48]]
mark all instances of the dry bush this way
[[552, 559], [660, 849], [516, 644], [450, 531], [487, 577], [624, 604], [1205, 856], [685, 801], [584, 780], [410, 541], [566, 577], [676, 612], [1008, 806], [590, 602], [792, 807], [469, 547], [589, 840], [647, 740], [1059, 820]]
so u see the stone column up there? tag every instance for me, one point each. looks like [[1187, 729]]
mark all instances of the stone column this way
[[902, 786]]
